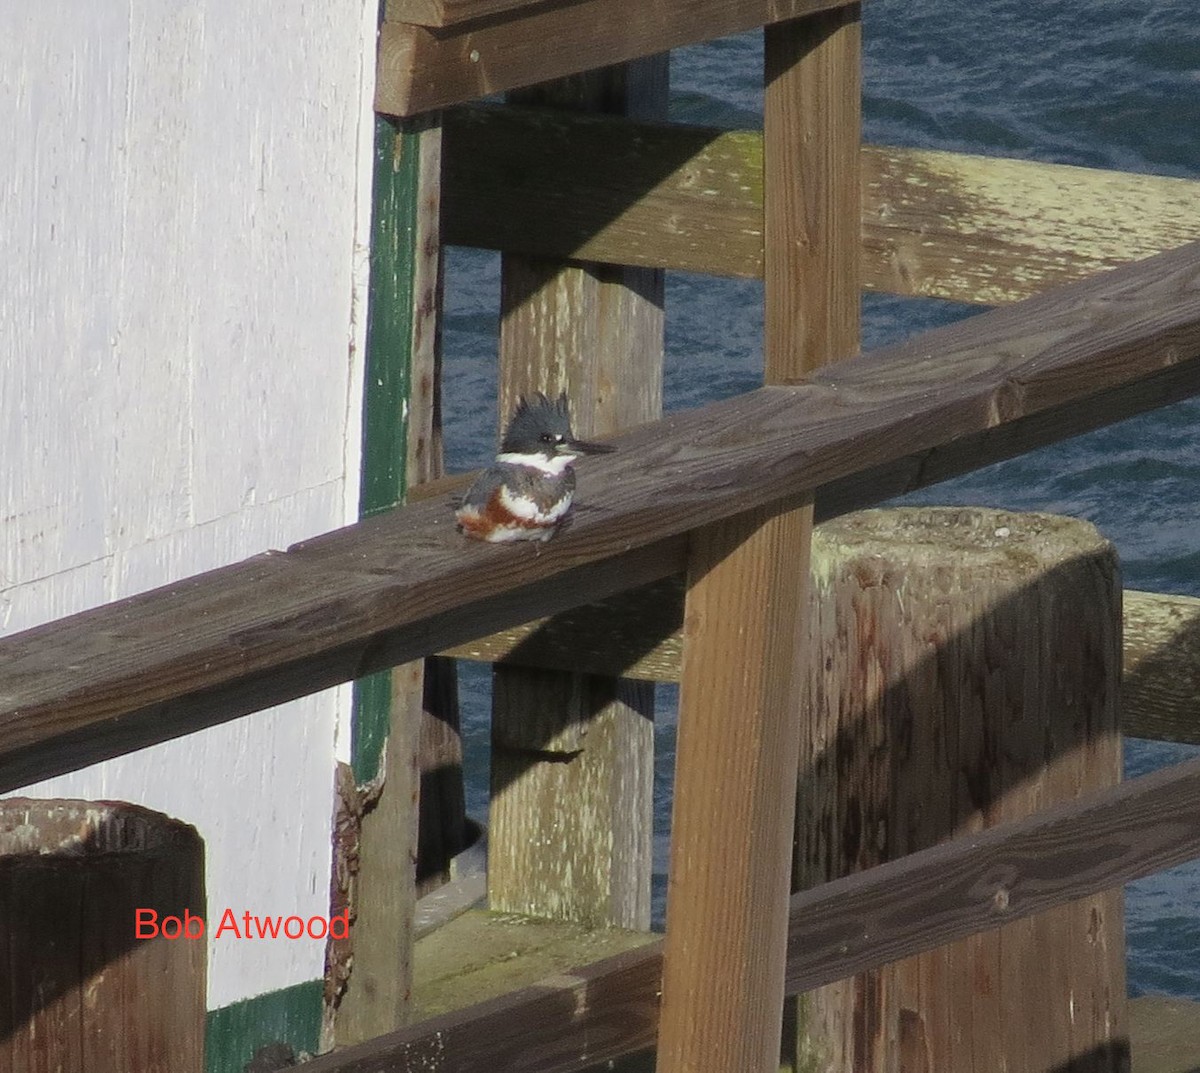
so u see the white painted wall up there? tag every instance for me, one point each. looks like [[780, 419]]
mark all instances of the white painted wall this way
[[185, 192]]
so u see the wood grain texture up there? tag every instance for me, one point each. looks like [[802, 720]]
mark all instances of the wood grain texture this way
[[964, 672], [988, 230], [1160, 689], [78, 988], [419, 68], [400, 585], [637, 634], [812, 136], [573, 754], [971, 884], [731, 827], [812, 269], [744, 610], [937, 224], [598, 188]]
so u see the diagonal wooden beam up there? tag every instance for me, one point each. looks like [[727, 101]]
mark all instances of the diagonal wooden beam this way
[[920, 902], [402, 584]]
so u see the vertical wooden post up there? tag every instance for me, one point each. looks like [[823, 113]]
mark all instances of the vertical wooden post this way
[[79, 990], [573, 754], [735, 779], [812, 135], [401, 445], [740, 707], [966, 668], [441, 819]]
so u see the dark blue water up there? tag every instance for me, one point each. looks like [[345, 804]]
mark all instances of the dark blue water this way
[[1099, 83]]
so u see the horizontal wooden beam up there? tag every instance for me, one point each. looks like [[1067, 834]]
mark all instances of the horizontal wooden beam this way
[[451, 12], [918, 903], [599, 189], [637, 634], [420, 68], [935, 224], [404, 584]]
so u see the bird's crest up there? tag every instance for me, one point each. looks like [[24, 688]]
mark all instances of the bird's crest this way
[[535, 416]]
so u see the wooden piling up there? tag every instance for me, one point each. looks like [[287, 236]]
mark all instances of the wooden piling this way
[[965, 671], [79, 991], [573, 754]]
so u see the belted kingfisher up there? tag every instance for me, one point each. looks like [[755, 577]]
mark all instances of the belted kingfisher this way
[[527, 492]]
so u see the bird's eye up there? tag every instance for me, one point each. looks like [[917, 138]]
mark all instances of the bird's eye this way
[[548, 437]]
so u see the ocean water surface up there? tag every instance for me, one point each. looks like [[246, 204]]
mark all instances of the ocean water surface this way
[[1099, 83]]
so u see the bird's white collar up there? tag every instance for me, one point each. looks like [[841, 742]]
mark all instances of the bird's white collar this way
[[553, 467]]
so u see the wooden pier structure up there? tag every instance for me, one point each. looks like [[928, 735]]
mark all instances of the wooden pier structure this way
[[690, 554]]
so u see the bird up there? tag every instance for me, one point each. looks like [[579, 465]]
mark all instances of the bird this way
[[526, 493]]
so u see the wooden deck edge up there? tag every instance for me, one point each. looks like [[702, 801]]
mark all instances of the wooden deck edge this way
[[920, 902], [935, 224]]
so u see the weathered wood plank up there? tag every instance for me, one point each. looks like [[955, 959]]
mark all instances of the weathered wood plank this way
[[402, 584], [572, 755], [982, 229], [905, 907], [745, 606], [731, 824], [812, 283], [419, 68], [937, 224], [1160, 691], [637, 634], [590, 187]]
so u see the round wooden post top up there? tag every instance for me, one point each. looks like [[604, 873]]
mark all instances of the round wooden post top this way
[[1020, 542], [35, 827]]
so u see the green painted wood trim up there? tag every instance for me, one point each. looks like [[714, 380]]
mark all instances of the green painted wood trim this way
[[386, 386], [291, 1016]]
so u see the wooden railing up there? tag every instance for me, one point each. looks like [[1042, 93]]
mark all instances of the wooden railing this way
[[216, 646], [472, 48], [400, 585], [918, 903]]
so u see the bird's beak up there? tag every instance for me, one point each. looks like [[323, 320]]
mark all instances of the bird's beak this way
[[588, 448]]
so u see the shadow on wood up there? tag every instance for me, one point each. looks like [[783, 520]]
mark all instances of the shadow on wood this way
[[971, 884], [79, 990]]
